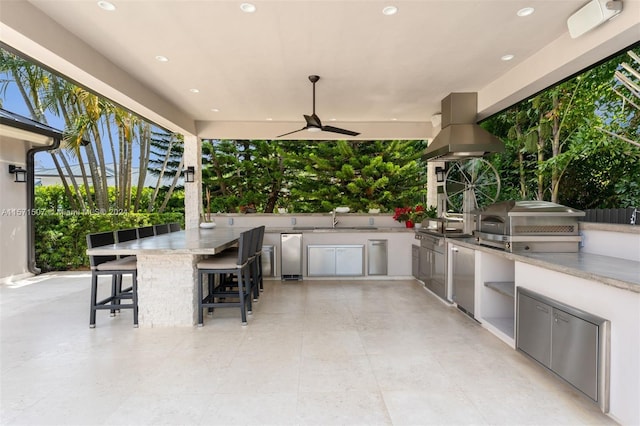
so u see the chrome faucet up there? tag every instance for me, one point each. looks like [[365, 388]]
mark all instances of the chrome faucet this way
[[334, 221]]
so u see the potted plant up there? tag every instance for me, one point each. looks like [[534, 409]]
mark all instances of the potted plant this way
[[403, 214], [413, 216]]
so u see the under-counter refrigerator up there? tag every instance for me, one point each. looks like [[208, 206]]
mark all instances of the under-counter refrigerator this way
[[291, 256]]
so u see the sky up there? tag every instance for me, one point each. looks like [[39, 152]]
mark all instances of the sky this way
[[12, 101]]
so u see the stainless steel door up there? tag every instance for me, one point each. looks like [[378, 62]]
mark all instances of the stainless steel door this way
[[349, 260], [321, 260], [268, 261], [291, 248], [377, 257], [463, 277], [575, 349], [534, 329], [415, 261]]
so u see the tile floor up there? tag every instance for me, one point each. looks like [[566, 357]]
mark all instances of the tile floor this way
[[314, 353]]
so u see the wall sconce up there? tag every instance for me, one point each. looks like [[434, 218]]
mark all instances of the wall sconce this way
[[19, 172], [440, 172], [190, 174]]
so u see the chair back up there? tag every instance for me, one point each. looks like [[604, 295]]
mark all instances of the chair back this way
[[244, 247], [123, 235], [145, 231], [174, 227], [98, 240], [260, 238], [161, 229]]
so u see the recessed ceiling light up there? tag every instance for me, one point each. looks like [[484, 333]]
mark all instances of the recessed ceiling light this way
[[194, 90], [161, 58], [390, 10], [394, 119], [507, 57], [332, 119], [269, 119], [248, 7], [215, 110], [105, 5], [525, 11]]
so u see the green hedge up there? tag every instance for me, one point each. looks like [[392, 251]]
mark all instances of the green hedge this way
[[61, 238]]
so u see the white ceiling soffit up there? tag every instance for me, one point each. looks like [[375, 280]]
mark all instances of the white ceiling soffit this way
[[382, 76], [15, 135]]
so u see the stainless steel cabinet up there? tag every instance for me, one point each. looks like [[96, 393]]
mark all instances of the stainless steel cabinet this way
[[534, 329], [415, 261], [572, 343], [291, 250], [463, 278], [349, 260], [424, 265], [575, 349], [341, 260], [268, 261], [321, 261], [377, 257]]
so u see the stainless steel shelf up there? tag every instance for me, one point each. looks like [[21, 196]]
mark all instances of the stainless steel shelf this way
[[503, 287]]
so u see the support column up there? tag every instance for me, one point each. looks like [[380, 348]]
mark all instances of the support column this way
[[167, 291], [193, 191], [432, 183]]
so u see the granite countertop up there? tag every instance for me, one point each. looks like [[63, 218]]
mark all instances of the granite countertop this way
[[613, 271]]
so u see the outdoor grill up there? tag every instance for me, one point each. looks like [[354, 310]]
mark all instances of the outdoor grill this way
[[529, 226]]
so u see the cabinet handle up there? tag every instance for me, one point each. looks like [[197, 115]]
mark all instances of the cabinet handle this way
[[542, 308], [561, 318]]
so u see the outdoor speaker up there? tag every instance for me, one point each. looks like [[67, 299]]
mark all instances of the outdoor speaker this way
[[591, 15]]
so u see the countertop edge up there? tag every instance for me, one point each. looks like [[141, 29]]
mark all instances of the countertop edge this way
[[549, 264]]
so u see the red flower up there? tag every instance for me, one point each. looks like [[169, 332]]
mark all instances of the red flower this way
[[416, 214], [402, 214]]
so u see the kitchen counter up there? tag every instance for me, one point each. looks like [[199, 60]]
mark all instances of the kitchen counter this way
[[613, 271], [338, 229]]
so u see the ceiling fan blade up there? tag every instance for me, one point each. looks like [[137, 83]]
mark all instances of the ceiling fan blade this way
[[313, 121], [295, 131], [339, 130]]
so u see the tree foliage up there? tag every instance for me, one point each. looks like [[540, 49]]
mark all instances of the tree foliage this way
[[557, 149], [93, 126], [313, 176]]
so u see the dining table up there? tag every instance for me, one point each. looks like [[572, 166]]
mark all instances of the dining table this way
[[167, 271]]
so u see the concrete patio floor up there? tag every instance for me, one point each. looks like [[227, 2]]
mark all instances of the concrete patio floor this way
[[314, 353]]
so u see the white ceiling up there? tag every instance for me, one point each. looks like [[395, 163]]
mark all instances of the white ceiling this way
[[377, 72]]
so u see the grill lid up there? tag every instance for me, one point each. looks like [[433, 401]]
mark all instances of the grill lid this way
[[528, 208]]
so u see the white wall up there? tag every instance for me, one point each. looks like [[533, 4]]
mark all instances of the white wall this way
[[13, 226], [623, 244]]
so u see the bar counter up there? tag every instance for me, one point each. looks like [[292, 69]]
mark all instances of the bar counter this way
[[167, 272]]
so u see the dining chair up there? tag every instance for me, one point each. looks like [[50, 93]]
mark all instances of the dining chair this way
[[220, 294], [259, 258], [116, 268], [174, 227], [161, 229], [229, 281], [123, 235], [145, 231], [255, 261]]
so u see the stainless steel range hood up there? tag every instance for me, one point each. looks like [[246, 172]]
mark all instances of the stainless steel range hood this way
[[460, 137]]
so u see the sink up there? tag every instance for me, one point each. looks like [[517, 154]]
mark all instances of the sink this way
[[329, 228]]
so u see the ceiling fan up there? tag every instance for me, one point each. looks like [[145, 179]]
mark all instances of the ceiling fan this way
[[313, 121]]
